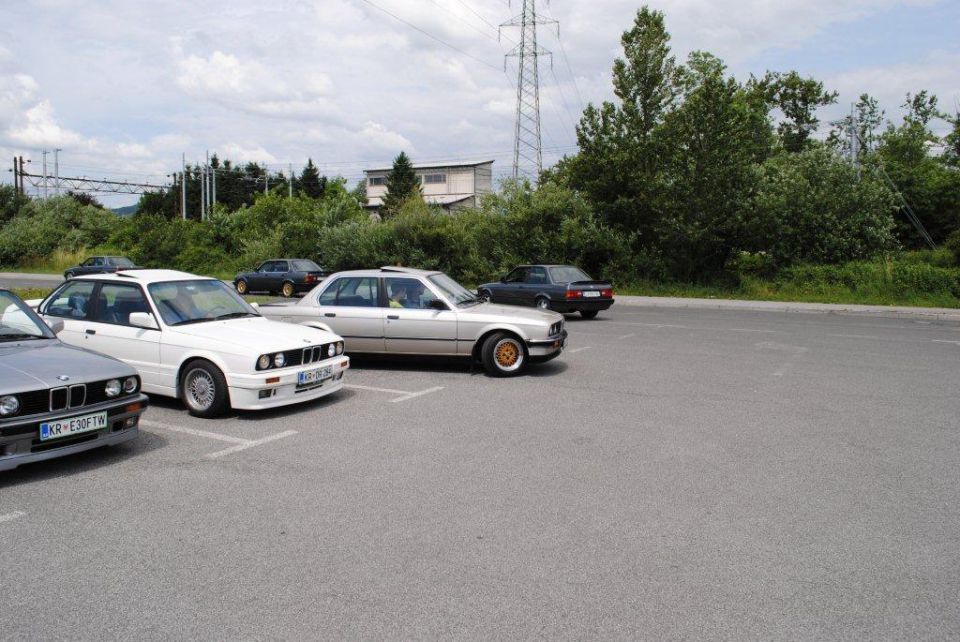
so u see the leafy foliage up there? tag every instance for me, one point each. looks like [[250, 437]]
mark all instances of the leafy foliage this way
[[402, 184]]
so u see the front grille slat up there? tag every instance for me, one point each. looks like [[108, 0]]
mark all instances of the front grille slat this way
[[78, 396]]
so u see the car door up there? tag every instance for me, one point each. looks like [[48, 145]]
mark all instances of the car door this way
[[350, 305], [412, 324], [108, 329], [281, 270], [259, 279], [511, 288], [534, 282], [71, 304]]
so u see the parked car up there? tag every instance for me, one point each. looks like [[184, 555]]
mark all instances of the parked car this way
[[100, 265], [283, 276], [562, 288], [196, 339], [405, 311], [55, 399]]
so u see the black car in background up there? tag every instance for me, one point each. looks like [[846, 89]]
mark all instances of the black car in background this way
[[561, 288], [283, 276], [100, 265]]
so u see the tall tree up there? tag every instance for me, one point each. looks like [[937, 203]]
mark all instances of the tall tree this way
[[311, 183], [402, 183], [798, 98]]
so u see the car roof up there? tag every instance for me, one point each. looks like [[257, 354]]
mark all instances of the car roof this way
[[145, 277], [388, 270], [268, 260]]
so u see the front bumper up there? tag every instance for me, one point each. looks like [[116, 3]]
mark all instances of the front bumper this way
[[546, 349], [20, 438], [253, 392]]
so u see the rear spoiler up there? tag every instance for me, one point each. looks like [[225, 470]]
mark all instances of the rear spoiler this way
[[575, 283]]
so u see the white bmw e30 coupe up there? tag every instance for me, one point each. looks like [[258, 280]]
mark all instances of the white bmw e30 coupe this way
[[195, 339]]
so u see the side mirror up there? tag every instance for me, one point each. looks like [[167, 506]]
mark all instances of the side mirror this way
[[143, 320], [57, 326], [437, 304]]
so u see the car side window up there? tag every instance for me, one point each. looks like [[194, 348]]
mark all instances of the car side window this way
[[536, 275], [87, 263], [408, 293], [72, 302], [517, 276], [116, 302], [266, 267], [280, 266], [98, 262], [361, 292]]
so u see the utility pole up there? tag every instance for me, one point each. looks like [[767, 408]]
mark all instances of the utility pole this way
[[56, 170], [203, 193], [183, 186], [290, 182], [854, 139], [16, 177], [527, 146], [44, 152], [213, 178], [266, 178]]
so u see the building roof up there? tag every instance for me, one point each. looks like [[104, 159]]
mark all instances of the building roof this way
[[434, 165], [431, 199]]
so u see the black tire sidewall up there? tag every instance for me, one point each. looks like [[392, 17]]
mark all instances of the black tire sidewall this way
[[589, 314], [221, 398]]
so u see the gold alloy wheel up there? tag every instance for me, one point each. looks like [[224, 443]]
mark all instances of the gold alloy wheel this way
[[287, 290], [507, 354], [242, 287]]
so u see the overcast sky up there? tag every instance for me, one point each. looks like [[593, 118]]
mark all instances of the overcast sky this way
[[125, 87]]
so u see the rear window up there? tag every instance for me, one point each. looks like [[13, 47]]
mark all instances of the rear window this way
[[120, 261], [305, 266], [568, 274]]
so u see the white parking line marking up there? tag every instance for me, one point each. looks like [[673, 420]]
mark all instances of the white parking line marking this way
[[854, 336], [957, 343], [579, 349], [626, 336], [752, 330], [9, 517], [404, 394], [240, 442]]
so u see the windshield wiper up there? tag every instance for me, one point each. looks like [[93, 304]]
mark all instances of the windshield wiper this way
[[189, 321], [234, 315], [19, 337]]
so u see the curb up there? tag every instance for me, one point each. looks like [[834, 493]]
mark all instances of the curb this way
[[882, 311]]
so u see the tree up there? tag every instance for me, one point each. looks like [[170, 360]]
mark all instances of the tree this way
[[402, 183], [869, 117], [798, 98], [84, 198], [311, 183]]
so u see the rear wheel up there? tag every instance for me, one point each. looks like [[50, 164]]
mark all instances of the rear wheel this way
[[68, 275], [589, 314], [486, 295], [242, 287], [204, 389], [287, 289], [543, 303], [503, 355]]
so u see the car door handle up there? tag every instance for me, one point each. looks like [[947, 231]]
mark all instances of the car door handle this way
[[91, 331], [329, 314], [393, 316]]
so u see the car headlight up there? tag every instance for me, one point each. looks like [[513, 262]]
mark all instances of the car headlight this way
[[130, 385], [331, 349], [339, 347], [9, 405], [113, 388], [263, 362], [279, 360]]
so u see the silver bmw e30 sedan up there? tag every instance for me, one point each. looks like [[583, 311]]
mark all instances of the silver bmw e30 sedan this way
[[56, 400], [404, 311]]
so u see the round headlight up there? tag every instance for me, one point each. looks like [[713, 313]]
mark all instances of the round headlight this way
[[9, 405], [130, 385], [279, 360], [331, 349], [113, 388], [339, 347], [263, 362]]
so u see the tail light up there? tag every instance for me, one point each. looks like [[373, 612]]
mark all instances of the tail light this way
[[607, 293], [574, 294], [311, 278]]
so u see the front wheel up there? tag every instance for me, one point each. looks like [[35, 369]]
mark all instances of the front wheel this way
[[486, 295], [503, 355], [589, 314], [204, 390], [242, 287], [543, 303], [287, 289]]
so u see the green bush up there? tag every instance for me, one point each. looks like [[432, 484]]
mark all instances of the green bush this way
[[953, 246]]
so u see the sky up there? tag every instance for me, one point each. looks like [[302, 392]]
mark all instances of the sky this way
[[125, 88]]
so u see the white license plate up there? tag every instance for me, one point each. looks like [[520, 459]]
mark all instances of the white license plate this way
[[591, 293], [312, 376], [66, 427]]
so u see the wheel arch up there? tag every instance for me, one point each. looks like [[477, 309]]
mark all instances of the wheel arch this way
[[198, 356], [487, 332]]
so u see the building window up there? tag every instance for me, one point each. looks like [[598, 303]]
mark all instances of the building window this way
[[377, 180], [433, 179]]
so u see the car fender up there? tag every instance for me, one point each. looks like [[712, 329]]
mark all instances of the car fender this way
[[503, 327], [212, 357]]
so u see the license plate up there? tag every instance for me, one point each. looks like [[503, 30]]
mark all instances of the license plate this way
[[591, 293], [312, 376], [73, 426]]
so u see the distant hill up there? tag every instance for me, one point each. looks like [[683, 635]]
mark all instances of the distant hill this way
[[129, 210]]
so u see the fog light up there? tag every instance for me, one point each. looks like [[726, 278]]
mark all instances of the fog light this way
[[113, 388], [130, 422], [264, 394]]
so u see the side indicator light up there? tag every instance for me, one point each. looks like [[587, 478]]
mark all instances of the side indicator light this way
[[273, 379], [133, 407]]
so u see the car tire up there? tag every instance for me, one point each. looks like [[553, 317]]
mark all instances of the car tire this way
[[242, 286], [486, 295], [287, 289], [67, 276], [589, 314], [203, 389], [542, 303], [503, 355]]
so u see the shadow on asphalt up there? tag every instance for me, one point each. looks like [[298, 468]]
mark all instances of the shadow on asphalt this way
[[445, 365], [254, 415]]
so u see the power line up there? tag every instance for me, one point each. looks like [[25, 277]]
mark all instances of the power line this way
[[462, 21], [573, 76]]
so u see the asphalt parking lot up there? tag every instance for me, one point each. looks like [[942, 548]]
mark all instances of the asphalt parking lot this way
[[676, 474]]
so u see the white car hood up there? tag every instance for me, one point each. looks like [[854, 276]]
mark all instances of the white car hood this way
[[256, 335]]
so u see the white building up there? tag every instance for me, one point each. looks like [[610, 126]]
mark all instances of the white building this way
[[450, 185]]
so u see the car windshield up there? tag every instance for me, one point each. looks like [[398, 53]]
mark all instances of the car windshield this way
[[120, 261], [18, 322], [568, 274], [453, 290], [196, 301], [305, 266]]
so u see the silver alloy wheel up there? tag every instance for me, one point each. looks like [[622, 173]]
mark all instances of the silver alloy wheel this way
[[543, 303], [485, 295], [199, 389], [508, 354]]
